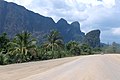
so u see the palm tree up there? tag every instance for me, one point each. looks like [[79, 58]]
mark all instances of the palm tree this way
[[54, 41], [86, 48], [73, 47], [23, 43], [4, 40], [3, 59]]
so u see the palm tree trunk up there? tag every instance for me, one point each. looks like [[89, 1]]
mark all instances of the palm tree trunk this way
[[53, 51]]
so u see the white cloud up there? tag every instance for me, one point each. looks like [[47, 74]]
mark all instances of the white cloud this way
[[109, 3], [21, 2], [63, 8], [116, 31]]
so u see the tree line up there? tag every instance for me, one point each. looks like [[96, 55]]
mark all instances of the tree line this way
[[24, 48]]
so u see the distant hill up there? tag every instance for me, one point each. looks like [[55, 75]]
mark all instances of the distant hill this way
[[70, 31], [15, 18], [92, 38]]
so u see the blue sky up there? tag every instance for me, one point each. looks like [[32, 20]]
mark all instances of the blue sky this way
[[92, 14]]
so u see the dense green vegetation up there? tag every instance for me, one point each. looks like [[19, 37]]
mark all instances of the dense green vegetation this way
[[23, 48]]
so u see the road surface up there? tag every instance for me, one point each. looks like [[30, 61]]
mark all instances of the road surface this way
[[93, 67]]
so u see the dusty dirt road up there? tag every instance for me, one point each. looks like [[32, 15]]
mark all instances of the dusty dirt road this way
[[19, 71], [94, 67]]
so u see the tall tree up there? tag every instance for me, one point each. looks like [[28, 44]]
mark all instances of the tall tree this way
[[86, 48], [4, 40], [54, 41], [73, 47], [23, 43]]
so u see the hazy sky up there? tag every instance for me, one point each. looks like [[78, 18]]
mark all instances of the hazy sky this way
[[92, 14]]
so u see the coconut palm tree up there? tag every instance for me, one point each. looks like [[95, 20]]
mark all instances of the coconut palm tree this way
[[73, 47], [4, 40], [86, 48], [22, 44], [3, 59], [54, 41]]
